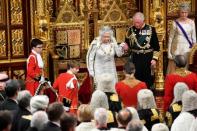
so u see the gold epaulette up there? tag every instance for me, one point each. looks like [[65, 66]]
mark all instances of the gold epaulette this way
[[156, 55], [110, 117], [155, 115], [28, 117], [169, 119], [176, 107], [114, 97]]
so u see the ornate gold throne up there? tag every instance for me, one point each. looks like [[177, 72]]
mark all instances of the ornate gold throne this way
[[67, 37], [193, 59]]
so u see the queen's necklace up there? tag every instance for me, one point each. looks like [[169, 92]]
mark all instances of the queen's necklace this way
[[106, 52]]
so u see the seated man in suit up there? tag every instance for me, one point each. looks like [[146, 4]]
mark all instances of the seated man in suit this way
[[54, 112], [11, 90]]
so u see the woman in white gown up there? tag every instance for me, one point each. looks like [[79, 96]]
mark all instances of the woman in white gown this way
[[182, 36], [101, 53]]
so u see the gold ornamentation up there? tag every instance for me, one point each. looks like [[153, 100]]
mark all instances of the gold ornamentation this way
[[17, 42], [2, 6], [16, 12], [173, 5], [114, 14], [74, 51], [192, 54], [67, 10], [3, 44], [19, 74], [182, 72]]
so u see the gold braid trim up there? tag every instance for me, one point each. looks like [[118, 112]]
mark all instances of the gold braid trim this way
[[156, 55], [182, 72]]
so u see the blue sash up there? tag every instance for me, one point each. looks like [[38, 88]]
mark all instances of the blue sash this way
[[185, 34]]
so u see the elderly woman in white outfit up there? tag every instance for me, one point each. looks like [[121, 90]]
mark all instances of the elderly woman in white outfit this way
[[101, 53], [182, 36]]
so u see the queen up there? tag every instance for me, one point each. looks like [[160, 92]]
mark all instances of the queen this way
[[101, 53]]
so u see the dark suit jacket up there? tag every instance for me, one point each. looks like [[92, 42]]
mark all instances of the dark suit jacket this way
[[9, 104], [49, 126], [17, 116]]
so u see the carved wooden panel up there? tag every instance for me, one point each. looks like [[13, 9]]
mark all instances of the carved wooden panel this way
[[74, 37], [2, 15], [14, 19], [17, 43], [120, 34], [61, 37], [3, 44], [172, 6], [16, 12], [74, 51]]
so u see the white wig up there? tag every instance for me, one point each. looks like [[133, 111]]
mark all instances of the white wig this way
[[105, 83], [99, 99], [134, 113], [139, 15], [39, 118], [159, 127], [39, 102], [100, 116], [146, 99], [189, 100], [185, 6], [179, 89]]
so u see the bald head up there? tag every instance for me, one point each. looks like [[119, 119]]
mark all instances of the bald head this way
[[124, 117], [180, 61]]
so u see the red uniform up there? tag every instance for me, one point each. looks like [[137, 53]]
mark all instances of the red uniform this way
[[128, 94], [70, 93], [33, 71], [180, 75]]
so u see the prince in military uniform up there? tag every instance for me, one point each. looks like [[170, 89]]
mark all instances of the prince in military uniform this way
[[144, 48]]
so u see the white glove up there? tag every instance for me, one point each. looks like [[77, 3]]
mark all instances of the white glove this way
[[170, 56]]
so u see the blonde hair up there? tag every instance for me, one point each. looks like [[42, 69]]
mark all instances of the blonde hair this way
[[84, 113]]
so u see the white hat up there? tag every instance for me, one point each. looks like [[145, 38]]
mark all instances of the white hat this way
[[179, 89], [159, 127], [189, 100], [146, 99], [105, 83], [39, 102]]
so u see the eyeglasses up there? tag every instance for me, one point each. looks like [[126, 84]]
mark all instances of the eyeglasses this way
[[39, 47]]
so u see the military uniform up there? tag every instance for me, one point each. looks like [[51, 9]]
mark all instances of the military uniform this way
[[144, 47], [172, 113]]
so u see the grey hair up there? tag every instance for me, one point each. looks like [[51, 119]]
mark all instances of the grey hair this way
[[135, 125], [39, 118], [185, 6], [106, 29], [159, 127], [100, 116], [139, 15], [24, 98]]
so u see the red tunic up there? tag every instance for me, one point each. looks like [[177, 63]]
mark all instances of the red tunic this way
[[187, 77], [128, 94], [72, 94], [33, 71]]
